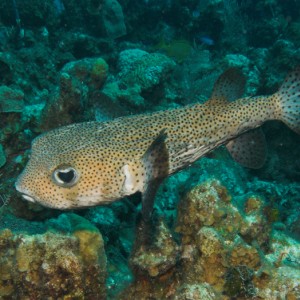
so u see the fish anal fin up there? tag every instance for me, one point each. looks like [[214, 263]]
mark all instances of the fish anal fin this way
[[228, 87], [249, 149], [155, 163]]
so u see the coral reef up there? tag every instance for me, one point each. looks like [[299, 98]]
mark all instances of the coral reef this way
[[113, 19], [224, 254], [160, 257], [77, 80], [235, 237], [90, 71], [140, 73], [53, 265], [222, 245], [11, 100], [33, 13]]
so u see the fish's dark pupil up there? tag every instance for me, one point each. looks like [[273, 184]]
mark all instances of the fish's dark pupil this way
[[66, 177]]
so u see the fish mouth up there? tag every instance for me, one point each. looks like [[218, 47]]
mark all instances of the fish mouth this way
[[28, 198], [24, 193]]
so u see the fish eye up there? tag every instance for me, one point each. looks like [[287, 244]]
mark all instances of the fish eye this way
[[65, 176]]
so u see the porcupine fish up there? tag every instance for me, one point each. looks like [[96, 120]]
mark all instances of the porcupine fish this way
[[94, 163]]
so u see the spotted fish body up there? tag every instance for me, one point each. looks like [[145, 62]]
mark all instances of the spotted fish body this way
[[93, 163]]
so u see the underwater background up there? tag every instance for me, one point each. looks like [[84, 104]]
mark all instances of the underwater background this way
[[223, 231]]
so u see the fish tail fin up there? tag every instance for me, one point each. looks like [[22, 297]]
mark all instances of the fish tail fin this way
[[288, 99]]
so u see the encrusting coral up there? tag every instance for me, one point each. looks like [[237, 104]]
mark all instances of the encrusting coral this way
[[140, 72], [52, 265], [224, 253]]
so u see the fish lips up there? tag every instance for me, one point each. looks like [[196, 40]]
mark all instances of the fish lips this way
[[28, 198], [24, 192]]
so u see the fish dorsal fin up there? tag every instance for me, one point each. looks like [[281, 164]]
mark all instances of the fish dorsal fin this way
[[155, 163], [249, 149], [228, 87]]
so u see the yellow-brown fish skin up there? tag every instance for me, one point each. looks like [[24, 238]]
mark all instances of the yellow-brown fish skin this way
[[119, 157]]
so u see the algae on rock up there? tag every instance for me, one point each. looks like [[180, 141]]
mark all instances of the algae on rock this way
[[52, 265], [224, 252]]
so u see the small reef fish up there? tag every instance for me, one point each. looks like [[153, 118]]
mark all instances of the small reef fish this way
[[205, 40], [94, 163]]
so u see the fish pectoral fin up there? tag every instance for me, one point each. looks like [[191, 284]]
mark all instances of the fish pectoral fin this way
[[249, 149], [155, 160], [229, 87], [148, 199], [155, 163]]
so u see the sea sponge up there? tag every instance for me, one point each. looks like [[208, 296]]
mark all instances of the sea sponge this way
[[253, 204], [64, 104], [91, 72], [99, 72], [89, 245], [245, 255]]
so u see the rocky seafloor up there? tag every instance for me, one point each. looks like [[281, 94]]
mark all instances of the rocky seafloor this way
[[221, 231]]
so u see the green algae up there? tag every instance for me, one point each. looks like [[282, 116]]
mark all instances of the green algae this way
[[178, 49]]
